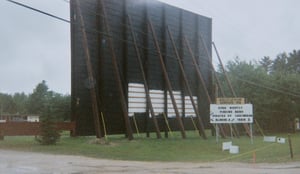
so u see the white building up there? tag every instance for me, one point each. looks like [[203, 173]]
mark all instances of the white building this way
[[33, 118]]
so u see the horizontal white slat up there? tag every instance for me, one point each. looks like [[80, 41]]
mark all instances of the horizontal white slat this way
[[154, 91], [189, 110], [137, 85], [171, 110], [130, 89], [178, 102], [156, 95], [157, 100], [177, 97], [137, 100], [137, 105], [135, 95]]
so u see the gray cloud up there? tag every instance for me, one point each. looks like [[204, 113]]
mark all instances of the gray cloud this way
[[35, 47], [250, 29]]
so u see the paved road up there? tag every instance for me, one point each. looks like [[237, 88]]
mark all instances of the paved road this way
[[13, 162]]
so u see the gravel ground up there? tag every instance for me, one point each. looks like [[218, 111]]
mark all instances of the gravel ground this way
[[14, 162]]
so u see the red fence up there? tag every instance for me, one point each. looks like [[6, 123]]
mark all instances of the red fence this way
[[31, 128]]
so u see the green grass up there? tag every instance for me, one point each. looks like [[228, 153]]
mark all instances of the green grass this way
[[192, 149]]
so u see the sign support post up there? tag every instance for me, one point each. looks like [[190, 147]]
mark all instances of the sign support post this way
[[217, 133], [231, 131], [251, 131]]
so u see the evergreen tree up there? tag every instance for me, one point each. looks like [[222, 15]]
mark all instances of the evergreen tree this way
[[49, 134], [7, 105], [20, 100], [38, 98], [40, 102], [266, 63]]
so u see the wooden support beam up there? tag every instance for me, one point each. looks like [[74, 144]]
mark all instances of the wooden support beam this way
[[117, 74], [199, 74], [167, 80], [187, 86], [95, 103], [149, 101], [246, 126], [224, 71]]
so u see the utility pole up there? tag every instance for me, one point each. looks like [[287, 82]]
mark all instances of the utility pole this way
[[1, 106]]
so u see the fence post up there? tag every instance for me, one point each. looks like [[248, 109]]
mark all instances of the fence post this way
[[1, 134], [291, 147]]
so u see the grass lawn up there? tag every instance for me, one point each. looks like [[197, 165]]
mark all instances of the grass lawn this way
[[192, 149]]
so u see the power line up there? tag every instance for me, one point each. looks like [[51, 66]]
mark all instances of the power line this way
[[39, 11], [268, 88], [151, 52], [67, 21], [276, 86], [206, 61]]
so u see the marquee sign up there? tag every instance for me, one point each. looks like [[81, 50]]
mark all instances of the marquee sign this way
[[226, 100], [234, 113]]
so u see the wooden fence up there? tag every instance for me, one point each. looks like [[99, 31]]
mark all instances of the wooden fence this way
[[31, 128]]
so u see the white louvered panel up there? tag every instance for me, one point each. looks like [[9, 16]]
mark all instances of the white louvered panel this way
[[136, 98], [178, 100], [189, 109], [157, 99]]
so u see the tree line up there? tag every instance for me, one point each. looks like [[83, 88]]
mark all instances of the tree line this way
[[271, 85], [40, 102]]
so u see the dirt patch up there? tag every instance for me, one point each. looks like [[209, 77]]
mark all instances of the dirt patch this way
[[14, 162]]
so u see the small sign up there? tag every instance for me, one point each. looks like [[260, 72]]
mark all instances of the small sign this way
[[271, 139], [297, 124], [224, 113], [230, 100], [226, 145]]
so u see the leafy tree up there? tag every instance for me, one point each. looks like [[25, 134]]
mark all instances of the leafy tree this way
[[60, 105], [20, 100], [266, 63], [38, 99], [21, 103], [271, 86], [287, 63], [280, 64], [293, 62], [7, 105]]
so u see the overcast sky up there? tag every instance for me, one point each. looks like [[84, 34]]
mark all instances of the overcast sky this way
[[35, 47]]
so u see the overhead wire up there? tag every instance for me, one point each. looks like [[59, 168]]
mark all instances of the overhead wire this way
[[163, 42], [278, 86], [268, 87], [88, 29], [39, 11], [152, 52], [264, 86], [268, 84], [138, 31]]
